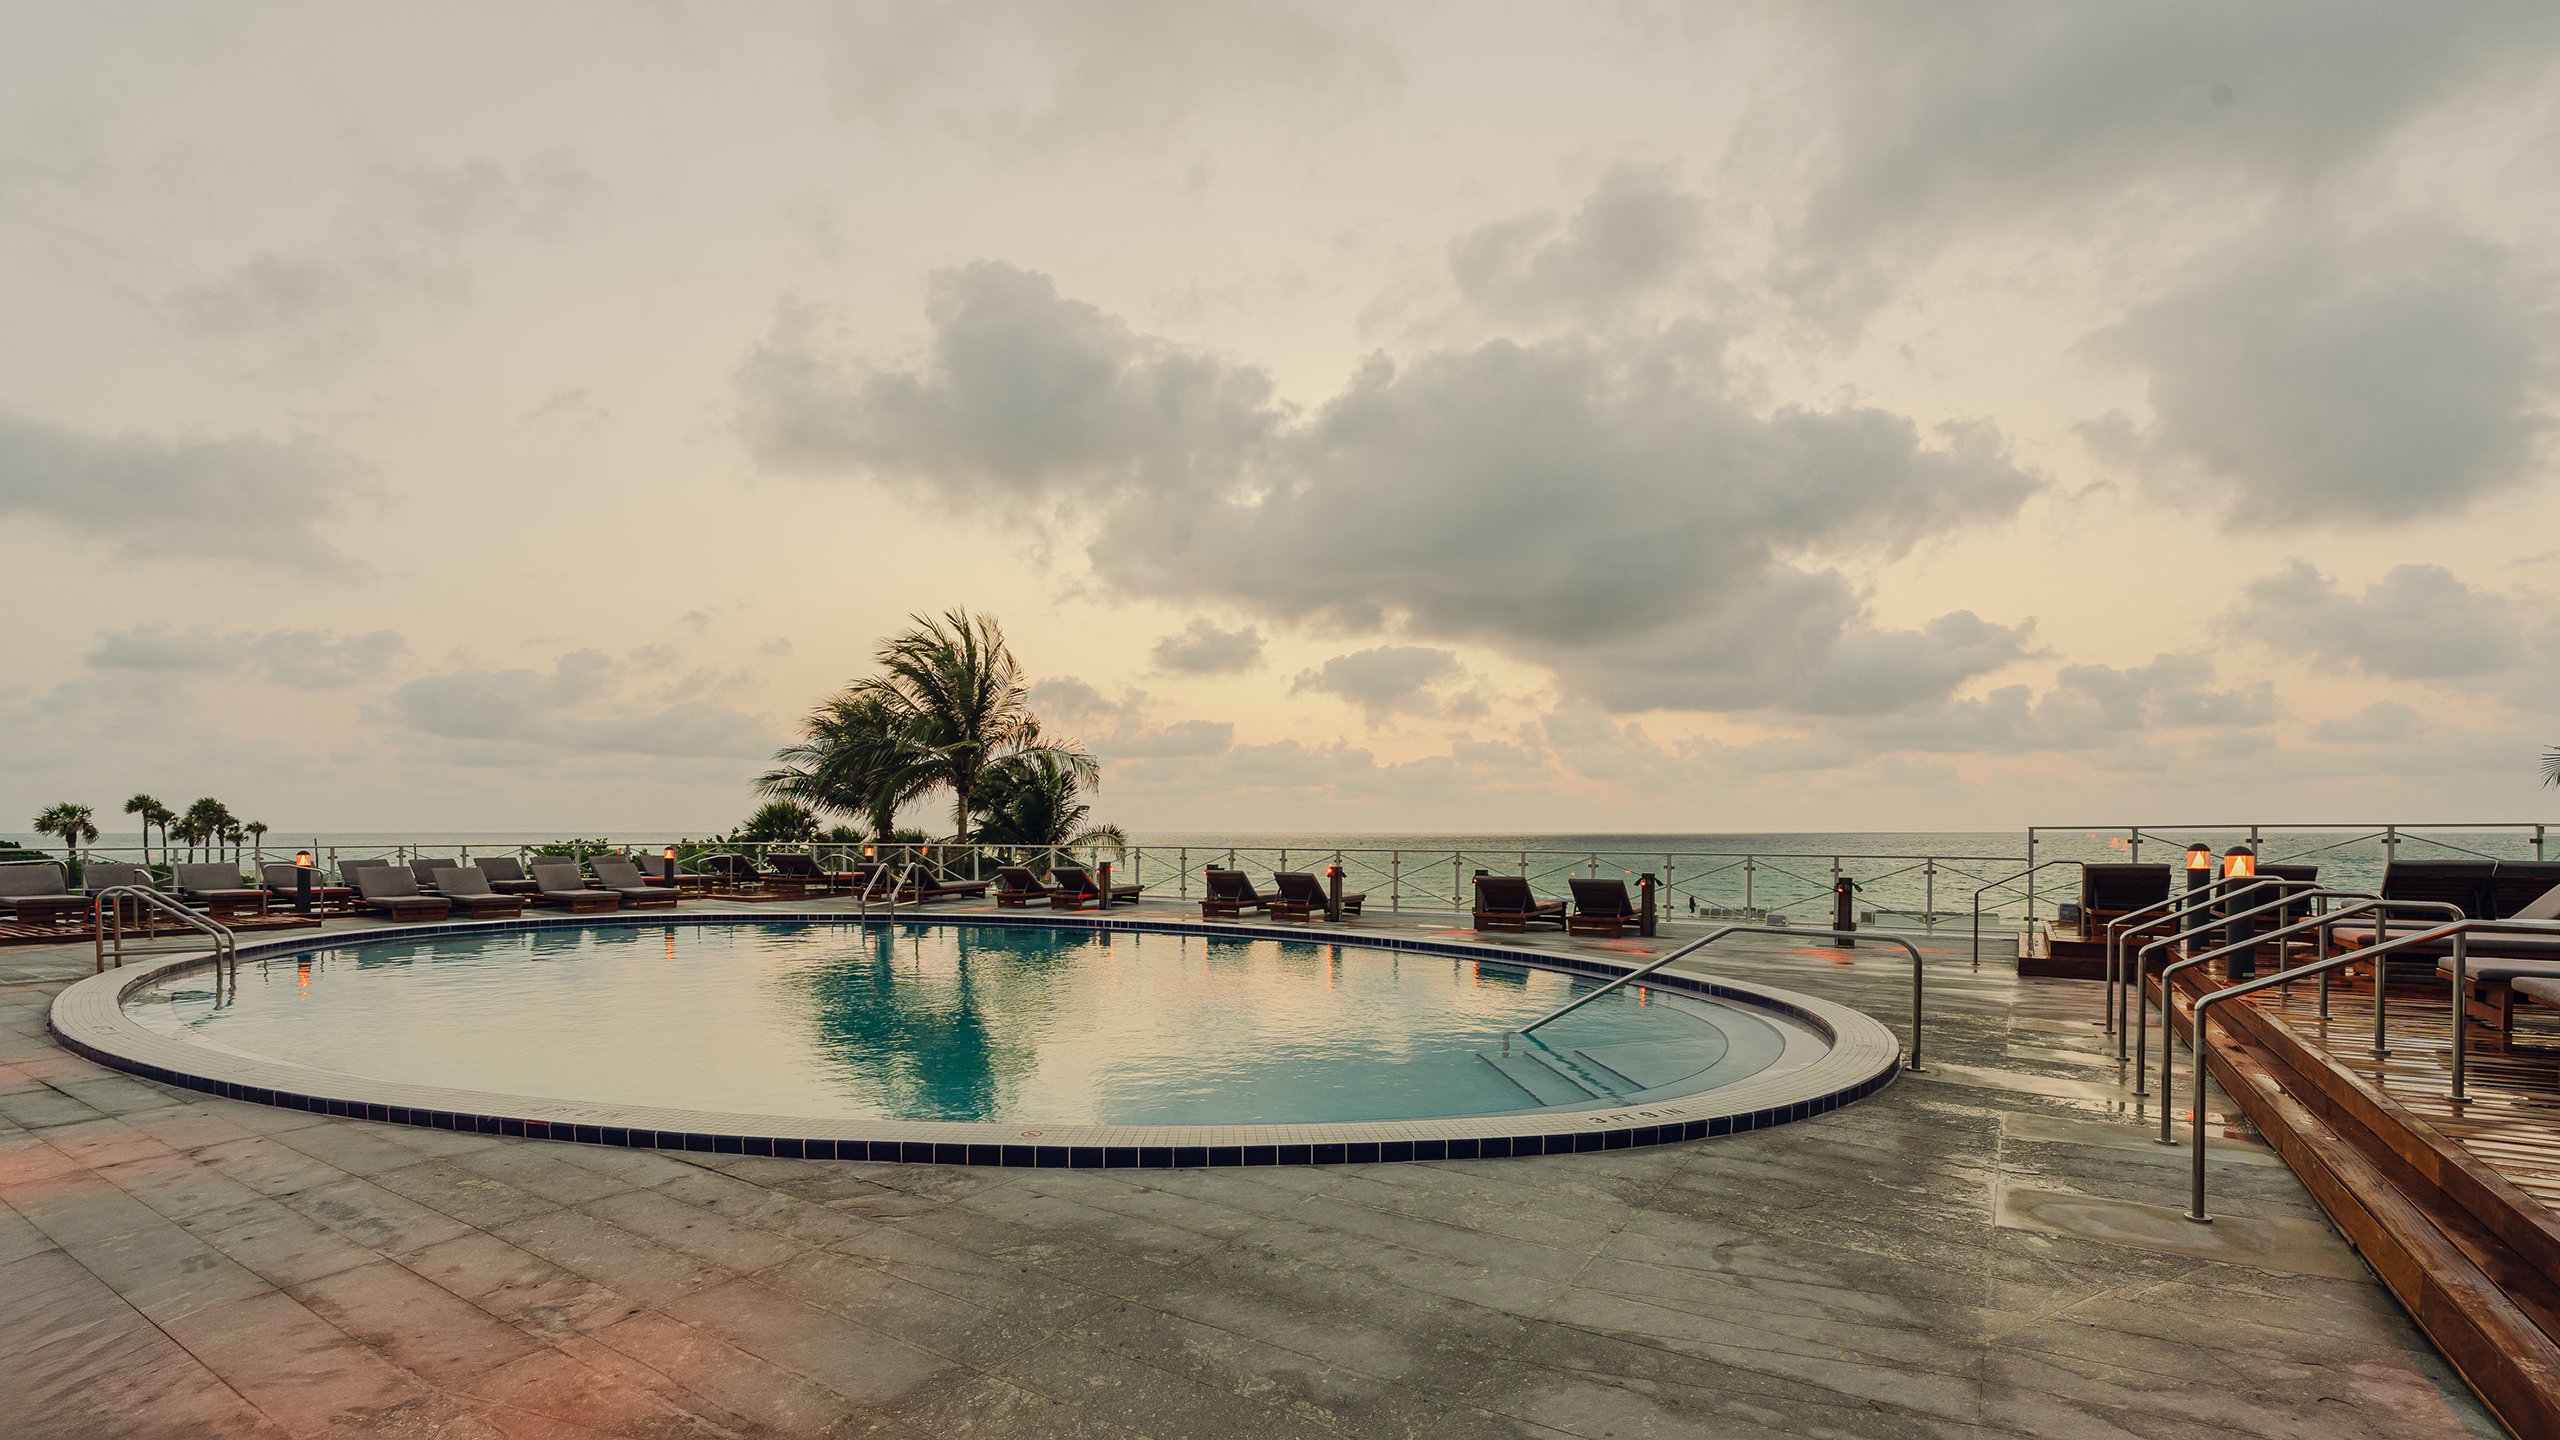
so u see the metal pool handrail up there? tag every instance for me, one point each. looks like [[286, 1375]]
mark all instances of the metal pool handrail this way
[[2114, 931], [1912, 1061], [2459, 932], [2142, 959], [2203, 898], [2012, 880], [226, 944]]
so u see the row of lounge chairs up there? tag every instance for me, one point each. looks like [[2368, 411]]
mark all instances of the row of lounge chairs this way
[[1069, 887]]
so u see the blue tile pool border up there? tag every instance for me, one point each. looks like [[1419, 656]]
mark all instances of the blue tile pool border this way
[[1864, 1057]]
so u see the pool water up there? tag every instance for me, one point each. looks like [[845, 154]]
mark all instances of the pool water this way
[[955, 1022]]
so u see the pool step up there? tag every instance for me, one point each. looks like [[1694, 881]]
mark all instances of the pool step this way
[[1542, 1080]]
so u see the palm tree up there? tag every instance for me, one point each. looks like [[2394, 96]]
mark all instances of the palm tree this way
[[151, 812], [257, 833], [777, 822], [2551, 766], [207, 822], [72, 824], [950, 703], [1032, 799]]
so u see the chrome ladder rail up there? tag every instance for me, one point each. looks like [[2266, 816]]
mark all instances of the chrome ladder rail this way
[[2029, 925], [226, 944], [1911, 1061]]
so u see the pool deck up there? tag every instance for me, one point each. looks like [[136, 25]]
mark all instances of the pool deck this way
[[1990, 1247]]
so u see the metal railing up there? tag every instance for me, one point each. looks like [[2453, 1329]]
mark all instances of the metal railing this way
[[107, 907], [2027, 874], [2373, 843], [2200, 900], [1912, 1059], [2295, 892], [2458, 932]]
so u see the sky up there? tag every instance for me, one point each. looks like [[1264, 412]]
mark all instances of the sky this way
[[1505, 418]]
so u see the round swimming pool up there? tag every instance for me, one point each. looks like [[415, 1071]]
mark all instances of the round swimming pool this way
[[985, 1031]]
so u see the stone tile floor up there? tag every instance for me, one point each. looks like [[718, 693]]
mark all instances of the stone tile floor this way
[[1989, 1248]]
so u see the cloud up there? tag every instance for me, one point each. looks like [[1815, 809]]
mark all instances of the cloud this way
[[1120, 729], [1201, 648], [1636, 231], [586, 704], [2088, 707], [245, 499], [1022, 76], [2384, 722], [1608, 509], [2418, 622], [1383, 680], [398, 243], [2322, 379], [1947, 121], [296, 659]]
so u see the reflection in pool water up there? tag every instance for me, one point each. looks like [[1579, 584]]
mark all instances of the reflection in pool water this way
[[958, 1022]]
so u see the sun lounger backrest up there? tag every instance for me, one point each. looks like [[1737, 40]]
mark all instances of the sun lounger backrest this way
[[100, 875], [501, 867], [462, 880], [1503, 892], [1601, 897], [26, 879], [208, 877], [2119, 888], [2519, 883], [1071, 878], [557, 873], [797, 866], [347, 868], [1014, 879], [1232, 885], [617, 872], [1298, 885], [2459, 882], [386, 882], [424, 870]]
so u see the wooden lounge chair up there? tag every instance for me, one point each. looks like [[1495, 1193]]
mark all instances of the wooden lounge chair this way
[[1304, 888], [1601, 907], [623, 878], [1505, 902], [563, 888], [926, 888], [1076, 889], [505, 874], [424, 869], [790, 873], [347, 870], [1231, 893], [284, 887], [2494, 964], [33, 894], [219, 890], [469, 893], [1017, 887], [731, 872], [2516, 884], [2108, 892], [393, 891], [100, 875]]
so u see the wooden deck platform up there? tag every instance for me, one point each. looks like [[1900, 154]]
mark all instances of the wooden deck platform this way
[[2455, 1205], [16, 934]]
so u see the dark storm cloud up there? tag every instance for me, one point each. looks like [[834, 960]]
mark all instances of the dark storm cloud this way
[[244, 499], [2331, 379], [1635, 232], [1382, 680], [1614, 509], [1943, 121], [1201, 648], [2418, 622]]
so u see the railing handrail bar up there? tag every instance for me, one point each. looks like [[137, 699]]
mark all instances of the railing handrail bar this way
[[2460, 932], [1912, 1061], [226, 943], [2122, 928], [2323, 922], [2142, 957], [2012, 880], [2316, 825]]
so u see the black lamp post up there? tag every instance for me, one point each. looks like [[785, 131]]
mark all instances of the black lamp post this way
[[2200, 865], [2239, 863], [302, 882]]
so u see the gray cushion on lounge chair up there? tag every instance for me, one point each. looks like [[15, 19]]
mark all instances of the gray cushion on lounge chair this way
[[463, 882], [557, 875], [388, 882], [100, 875], [347, 868], [502, 867], [29, 879], [624, 879], [2509, 967], [2545, 988], [204, 880]]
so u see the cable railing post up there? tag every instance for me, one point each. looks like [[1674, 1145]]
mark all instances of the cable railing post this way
[[2461, 1010]]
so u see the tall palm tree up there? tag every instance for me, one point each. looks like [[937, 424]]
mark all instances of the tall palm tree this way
[[852, 761], [207, 822], [73, 824], [256, 830], [2551, 766], [151, 812], [1034, 799], [949, 703]]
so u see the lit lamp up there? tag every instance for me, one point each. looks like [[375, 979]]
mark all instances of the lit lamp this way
[[2199, 865], [2240, 863], [302, 882], [1333, 894], [667, 859]]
